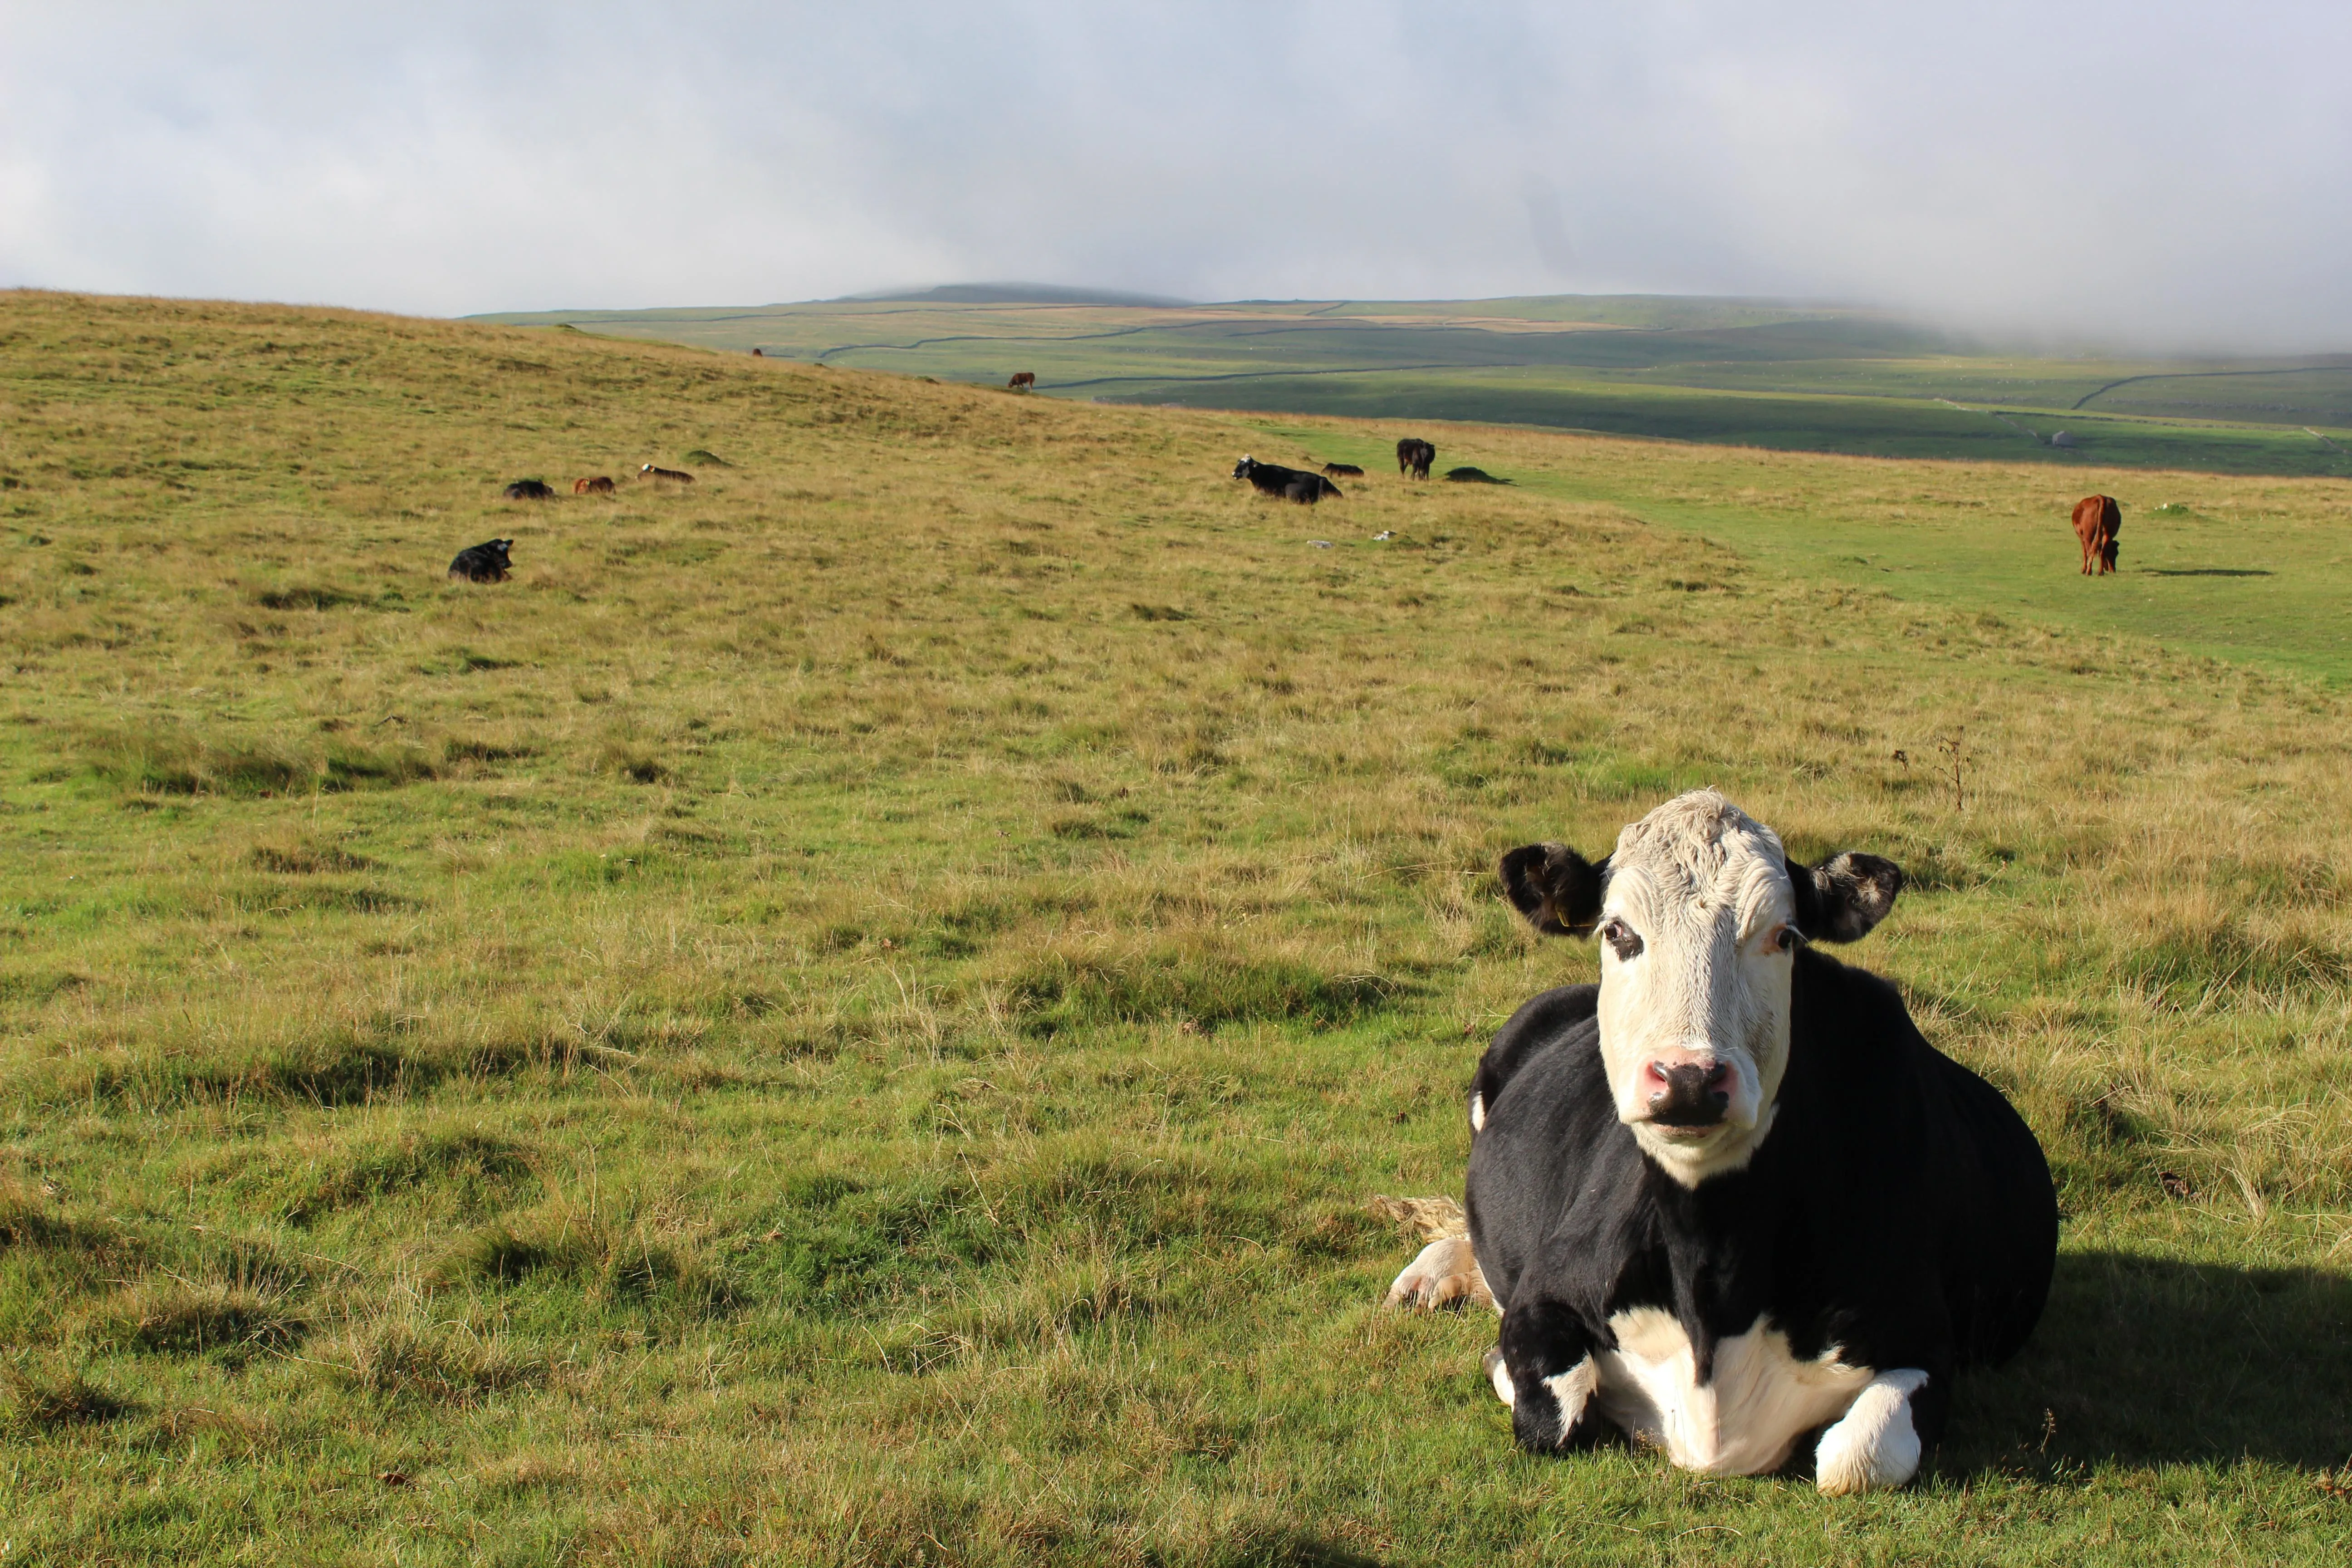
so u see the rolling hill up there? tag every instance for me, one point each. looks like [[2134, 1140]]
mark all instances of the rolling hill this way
[[1734, 371]]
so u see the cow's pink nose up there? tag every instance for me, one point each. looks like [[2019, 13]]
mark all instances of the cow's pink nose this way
[[1687, 1093]]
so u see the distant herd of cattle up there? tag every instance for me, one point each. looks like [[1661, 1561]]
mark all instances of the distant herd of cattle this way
[[599, 485], [491, 561], [2098, 520], [1415, 456]]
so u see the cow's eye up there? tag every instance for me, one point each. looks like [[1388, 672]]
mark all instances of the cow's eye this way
[[1785, 939], [1622, 938]]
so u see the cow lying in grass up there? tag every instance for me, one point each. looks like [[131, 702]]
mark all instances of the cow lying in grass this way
[[601, 485], [1730, 1196], [1290, 484], [529, 489], [484, 562]]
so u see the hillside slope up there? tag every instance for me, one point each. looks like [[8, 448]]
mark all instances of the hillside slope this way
[[848, 1013]]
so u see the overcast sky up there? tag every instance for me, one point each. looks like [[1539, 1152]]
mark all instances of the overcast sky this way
[[2168, 173]]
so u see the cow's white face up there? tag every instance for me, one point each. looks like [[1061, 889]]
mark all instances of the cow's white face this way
[[1698, 924], [1700, 913]]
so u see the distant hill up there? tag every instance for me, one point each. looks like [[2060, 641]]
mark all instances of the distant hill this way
[[1011, 294], [1803, 375]]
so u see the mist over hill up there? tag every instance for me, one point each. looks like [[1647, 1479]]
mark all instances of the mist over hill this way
[[1008, 294], [1736, 370]]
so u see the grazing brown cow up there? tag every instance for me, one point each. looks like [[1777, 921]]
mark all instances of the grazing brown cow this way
[[669, 476], [1027, 379], [599, 486], [2097, 521]]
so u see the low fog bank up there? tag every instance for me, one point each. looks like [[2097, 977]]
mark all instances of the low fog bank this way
[[2086, 177]]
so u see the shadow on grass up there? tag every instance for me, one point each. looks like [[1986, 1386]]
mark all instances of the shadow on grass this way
[[2147, 1361]]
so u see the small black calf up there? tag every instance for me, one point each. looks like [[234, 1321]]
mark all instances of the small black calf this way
[[483, 563], [1342, 470], [1467, 475], [1290, 484], [529, 489]]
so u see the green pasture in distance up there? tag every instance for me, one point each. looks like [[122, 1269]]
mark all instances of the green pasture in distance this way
[[1772, 374], [2207, 566], [1861, 426]]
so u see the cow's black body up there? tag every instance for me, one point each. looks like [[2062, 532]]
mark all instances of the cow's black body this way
[[1291, 484], [1414, 455], [485, 563], [1899, 1210]]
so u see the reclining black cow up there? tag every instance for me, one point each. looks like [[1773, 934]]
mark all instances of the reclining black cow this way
[[1730, 1196], [529, 489], [1290, 484], [484, 562]]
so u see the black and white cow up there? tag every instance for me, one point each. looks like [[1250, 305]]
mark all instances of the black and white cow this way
[[1730, 1196]]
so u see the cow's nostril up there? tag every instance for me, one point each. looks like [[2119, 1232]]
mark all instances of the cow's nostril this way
[[1686, 1094]]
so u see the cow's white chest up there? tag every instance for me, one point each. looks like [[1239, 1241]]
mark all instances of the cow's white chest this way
[[1744, 1419]]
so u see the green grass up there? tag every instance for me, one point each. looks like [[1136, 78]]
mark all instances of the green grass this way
[[1725, 371], [2223, 567], [850, 1013]]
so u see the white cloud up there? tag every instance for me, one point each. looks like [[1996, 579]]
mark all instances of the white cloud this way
[[2104, 166]]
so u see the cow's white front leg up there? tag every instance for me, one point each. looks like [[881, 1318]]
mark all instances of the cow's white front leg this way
[[1445, 1271], [1874, 1446]]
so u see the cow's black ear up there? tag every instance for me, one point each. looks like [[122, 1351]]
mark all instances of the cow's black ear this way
[[1555, 888], [1844, 897]]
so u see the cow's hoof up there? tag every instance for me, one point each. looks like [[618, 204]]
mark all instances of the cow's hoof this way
[[1873, 1447], [1444, 1273], [1550, 1420]]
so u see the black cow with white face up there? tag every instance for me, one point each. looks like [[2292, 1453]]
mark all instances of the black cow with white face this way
[[1730, 1197]]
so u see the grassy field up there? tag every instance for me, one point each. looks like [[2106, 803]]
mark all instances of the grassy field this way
[[849, 1014], [1726, 372], [2248, 571]]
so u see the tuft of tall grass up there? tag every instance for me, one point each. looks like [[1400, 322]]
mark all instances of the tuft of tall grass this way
[[1207, 983], [169, 761]]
